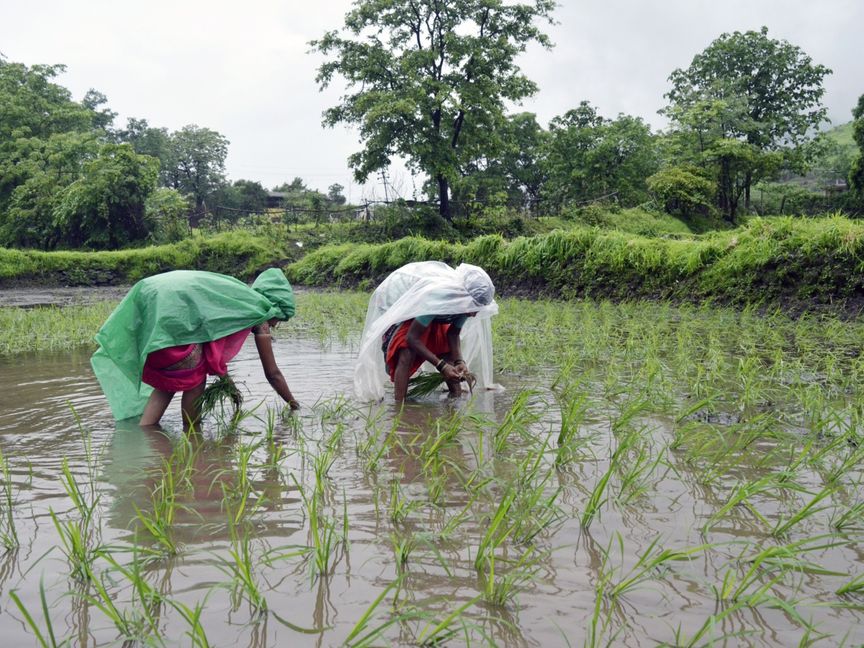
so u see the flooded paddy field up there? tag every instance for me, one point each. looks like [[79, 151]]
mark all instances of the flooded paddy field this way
[[645, 475]]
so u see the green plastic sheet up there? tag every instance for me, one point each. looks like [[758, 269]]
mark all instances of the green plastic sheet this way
[[174, 308]]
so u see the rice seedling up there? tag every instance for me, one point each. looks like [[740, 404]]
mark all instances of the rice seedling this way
[[403, 546], [711, 631], [400, 507], [519, 418], [500, 589], [159, 521], [851, 519], [852, 460], [239, 565], [48, 639], [651, 563], [741, 496], [424, 383], [238, 491], [812, 507], [192, 616], [854, 586], [436, 633], [533, 509], [497, 532], [355, 638], [573, 406], [778, 560], [635, 471], [143, 617], [376, 444], [322, 531], [79, 538], [8, 532], [223, 394], [598, 496]]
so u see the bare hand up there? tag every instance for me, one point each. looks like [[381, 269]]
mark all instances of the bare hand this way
[[451, 373], [293, 404]]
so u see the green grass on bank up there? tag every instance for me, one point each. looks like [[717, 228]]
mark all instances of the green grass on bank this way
[[795, 263], [237, 253], [244, 250], [786, 261]]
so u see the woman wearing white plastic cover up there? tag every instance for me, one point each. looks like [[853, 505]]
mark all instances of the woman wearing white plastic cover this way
[[411, 311]]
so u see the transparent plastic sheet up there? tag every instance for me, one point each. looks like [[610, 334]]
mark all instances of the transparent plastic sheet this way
[[427, 288]]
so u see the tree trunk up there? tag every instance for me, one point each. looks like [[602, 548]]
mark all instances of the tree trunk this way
[[748, 180], [444, 198]]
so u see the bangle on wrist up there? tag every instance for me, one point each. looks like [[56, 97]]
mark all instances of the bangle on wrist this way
[[441, 363]]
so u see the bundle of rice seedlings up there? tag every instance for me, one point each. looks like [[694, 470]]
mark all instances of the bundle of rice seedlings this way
[[218, 392], [425, 383]]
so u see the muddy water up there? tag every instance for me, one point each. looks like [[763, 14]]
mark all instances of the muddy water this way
[[47, 400]]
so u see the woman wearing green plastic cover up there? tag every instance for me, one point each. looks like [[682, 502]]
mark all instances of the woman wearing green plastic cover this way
[[173, 329]]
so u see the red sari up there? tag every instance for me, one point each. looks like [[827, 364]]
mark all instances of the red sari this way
[[434, 337], [214, 359]]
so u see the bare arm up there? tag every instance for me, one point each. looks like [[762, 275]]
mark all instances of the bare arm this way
[[264, 344], [416, 345]]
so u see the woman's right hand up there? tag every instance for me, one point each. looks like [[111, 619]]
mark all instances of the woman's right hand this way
[[451, 373]]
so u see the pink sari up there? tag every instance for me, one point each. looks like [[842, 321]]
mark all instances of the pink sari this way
[[214, 359]]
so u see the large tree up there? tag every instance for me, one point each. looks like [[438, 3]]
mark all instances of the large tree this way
[[104, 208], [775, 88], [510, 174], [428, 80], [198, 163], [856, 175], [588, 157]]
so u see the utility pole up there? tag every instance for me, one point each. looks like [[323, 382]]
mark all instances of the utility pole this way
[[384, 180]]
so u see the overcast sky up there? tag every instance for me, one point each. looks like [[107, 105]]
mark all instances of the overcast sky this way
[[243, 68]]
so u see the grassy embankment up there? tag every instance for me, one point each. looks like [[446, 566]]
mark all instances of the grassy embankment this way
[[797, 264], [242, 252], [238, 253], [794, 263]]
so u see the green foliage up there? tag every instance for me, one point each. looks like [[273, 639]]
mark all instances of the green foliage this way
[[429, 80], [232, 202], [587, 157], [635, 220], [782, 261], [63, 182], [165, 212], [104, 208], [856, 172], [683, 190], [509, 176], [744, 107], [33, 106], [235, 253], [789, 198], [199, 162]]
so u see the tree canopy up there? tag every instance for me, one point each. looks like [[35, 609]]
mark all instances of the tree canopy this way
[[856, 175], [428, 80], [743, 101]]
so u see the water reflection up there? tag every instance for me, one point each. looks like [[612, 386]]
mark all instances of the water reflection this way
[[449, 462]]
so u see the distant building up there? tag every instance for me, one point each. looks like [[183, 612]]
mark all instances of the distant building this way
[[275, 199], [838, 186]]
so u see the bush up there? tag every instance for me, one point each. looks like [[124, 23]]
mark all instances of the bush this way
[[683, 190], [166, 212]]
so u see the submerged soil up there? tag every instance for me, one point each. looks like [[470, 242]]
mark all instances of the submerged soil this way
[[676, 497], [39, 296]]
